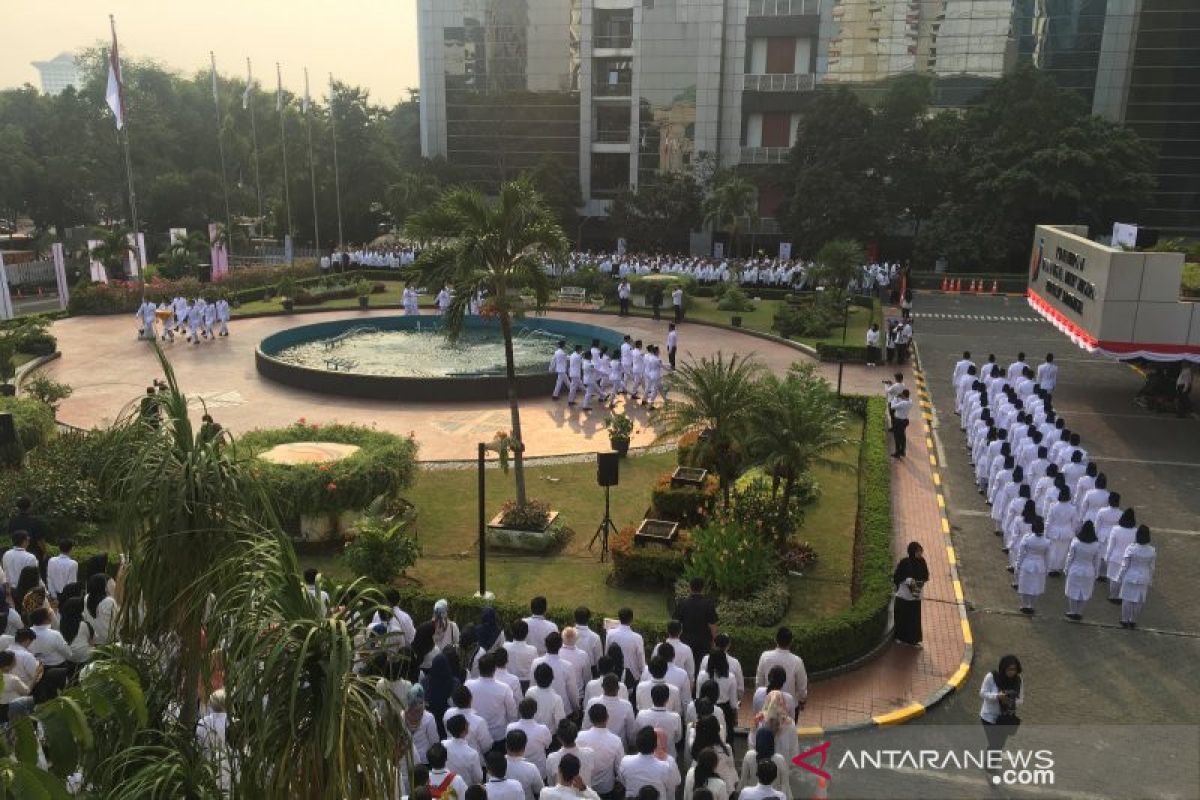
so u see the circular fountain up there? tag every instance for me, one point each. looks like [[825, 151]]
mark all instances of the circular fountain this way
[[410, 358]]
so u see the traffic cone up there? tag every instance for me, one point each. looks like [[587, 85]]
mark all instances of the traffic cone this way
[[975, 287], [945, 283], [995, 287], [822, 792], [956, 284]]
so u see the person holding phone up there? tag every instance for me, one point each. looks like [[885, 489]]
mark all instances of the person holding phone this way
[[1002, 694], [910, 577]]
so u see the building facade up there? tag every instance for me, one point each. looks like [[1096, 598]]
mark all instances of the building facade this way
[[620, 91], [58, 73]]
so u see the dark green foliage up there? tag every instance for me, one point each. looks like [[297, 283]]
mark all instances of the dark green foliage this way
[[59, 477], [762, 608], [734, 299], [847, 353], [687, 505], [34, 420], [660, 214], [380, 551], [806, 320]]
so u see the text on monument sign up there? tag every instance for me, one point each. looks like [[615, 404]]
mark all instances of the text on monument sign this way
[[1076, 284]]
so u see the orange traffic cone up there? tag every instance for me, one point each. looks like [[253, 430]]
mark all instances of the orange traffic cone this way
[[945, 283], [956, 284], [995, 287], [822, 792], [975, 287]]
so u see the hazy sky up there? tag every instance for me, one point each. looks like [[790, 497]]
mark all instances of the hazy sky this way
[[369, 43]]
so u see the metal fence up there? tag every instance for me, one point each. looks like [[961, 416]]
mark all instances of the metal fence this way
[[778, 83], [783, 8], [31, 273]]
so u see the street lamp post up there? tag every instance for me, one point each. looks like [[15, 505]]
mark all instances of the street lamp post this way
[[483, 592]]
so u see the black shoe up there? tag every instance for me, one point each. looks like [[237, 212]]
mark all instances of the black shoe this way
[[1116, 601], [1010, 568], [1124, 624], [998, 533], [1004, 550], [1132, 625], [1101, 579], [1054, 573], [1027, 611]]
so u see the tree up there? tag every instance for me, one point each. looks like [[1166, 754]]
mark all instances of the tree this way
[[795, 423], [113, 250], [559, 185], [659, 215], [497, 247], [839, 262], [732, 198], [413, 192], [717, 394]]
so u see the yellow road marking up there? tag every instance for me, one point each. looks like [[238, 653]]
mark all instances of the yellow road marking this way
[[966, 626], [910, 711]]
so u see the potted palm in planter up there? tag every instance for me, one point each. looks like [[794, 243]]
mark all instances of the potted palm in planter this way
[[620, 430], [286, 289], [363, 289]]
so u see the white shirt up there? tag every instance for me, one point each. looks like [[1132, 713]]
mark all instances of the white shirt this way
[[581, 664], [1047, 375], [632, 648], [49, 646], [566, 681], [990, 694], [493, 701], [587, 763], [424, 737], [26, 665], [645, 770], [525, 773], [674, 703], [60, 570], [102, 623], [901, 408], [462, 758], [660, 717], [504, 789], [608, 752], [568, 792], [478, 734], [537, 741], [684, 659], [520, 659], [589, 642], [760, 792], [15, 560], [797, 678], [595, 689], [620, 717], [550, 706]]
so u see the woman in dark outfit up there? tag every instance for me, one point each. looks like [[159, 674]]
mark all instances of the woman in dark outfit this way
[[910, 576]]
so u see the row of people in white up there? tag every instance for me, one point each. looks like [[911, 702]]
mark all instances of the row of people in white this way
[[636, 371], [197, 319], [1050, 504]]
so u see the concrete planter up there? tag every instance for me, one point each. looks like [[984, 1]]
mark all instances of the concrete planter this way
[[328, 527], [524, 541]]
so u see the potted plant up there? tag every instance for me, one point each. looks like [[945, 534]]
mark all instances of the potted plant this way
[[363, 289], [287, 289], [620, 429]]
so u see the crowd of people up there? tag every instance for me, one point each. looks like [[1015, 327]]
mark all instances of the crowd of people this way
[[193, 319], [633, 370], [535, 711], [55, 611], [1051, 505]]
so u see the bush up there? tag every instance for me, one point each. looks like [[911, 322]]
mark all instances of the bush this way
[[46, 391], [385, 465], [806, 320], [598, 284], [240, 285], [34, 420], [533, 516], [734, 299], [693, 450], [753, 507], [380, 551], [651, 565], [29, 335], [729, 556], [763, 607], [687, 505], [850, 354], [59, 479]]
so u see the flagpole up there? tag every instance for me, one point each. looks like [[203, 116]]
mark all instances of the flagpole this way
[[123, 133], [221, 153], [287, 192], [312, 167], [249, 97], [337, 183]]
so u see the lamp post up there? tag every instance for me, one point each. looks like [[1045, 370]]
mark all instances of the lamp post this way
[[845, 327]]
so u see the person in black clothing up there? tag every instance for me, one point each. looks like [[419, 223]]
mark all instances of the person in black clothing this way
[[22, 520], [698, 614], [910, 577]]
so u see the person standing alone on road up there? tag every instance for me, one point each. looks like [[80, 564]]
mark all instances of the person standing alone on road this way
[[677, 303], [1002, 694]]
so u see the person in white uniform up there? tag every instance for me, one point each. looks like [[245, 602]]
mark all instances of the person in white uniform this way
[[195, 315], [574, 375], [1119, 538], [145, 314], [652, 371], [590, 388], [1047, 374], [1083, 563], [443, 300], [1061, 523], [1135, 575], [223, 316], [210, 319], [1106, 519], [558, 365], [409, 299], [1031, 566]]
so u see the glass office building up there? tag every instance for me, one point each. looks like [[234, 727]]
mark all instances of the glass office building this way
[[621, 91]]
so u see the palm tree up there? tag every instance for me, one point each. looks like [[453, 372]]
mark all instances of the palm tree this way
[[187, 251], [718, 396], [412, 193], [497, 247], [840, 261], [113, 249], [732, 198], [795, 423]]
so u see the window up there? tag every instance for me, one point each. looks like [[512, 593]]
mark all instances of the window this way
[[781, 55], [776, 129]]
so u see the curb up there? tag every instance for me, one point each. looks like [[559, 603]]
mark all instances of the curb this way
[[30, 367]]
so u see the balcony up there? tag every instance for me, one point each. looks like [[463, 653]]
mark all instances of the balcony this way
[[765, 155], [613, 41], [778, 83], [783, 8], [611, 135]]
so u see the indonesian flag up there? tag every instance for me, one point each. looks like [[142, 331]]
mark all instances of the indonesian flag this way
[[114, 94]]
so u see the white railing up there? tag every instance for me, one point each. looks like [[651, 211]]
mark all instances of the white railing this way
[[778, 83], [765, 155], [783, 8], [30, 272]]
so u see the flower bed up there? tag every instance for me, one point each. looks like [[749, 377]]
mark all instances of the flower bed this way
[[384, 465], [241, 285], [687, 505], [654, 565]]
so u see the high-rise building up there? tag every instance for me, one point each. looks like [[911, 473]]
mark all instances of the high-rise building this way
[[620, 91], [58, 73]]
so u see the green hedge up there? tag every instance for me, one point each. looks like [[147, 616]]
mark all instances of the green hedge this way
[[240, 286], [650, 564], [848, 353], [34, 420], [687, 505], [824, 644], [384, 465]]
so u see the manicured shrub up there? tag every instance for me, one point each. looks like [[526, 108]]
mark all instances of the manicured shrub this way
[[649, 564], [687, 505], [59, 477], [34, 420], [380, 551], [532, 516], [734, 299], [850, 354], [730, 557], [806, 320], [765, 606]]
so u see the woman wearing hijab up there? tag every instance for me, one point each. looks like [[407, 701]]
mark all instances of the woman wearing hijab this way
[[1002, 694], [777, 718], [445, 630], [76, 632], [1135, 575], [424, 650], [100, 610], [439, 684], [764, 750], [1031, 566], [1061, 524], [1106, 519], [489, 632], [1119, 538], [1083, 562], [468, 654], [1012, 516], [1004, 496], [910, 577], [420, 724]]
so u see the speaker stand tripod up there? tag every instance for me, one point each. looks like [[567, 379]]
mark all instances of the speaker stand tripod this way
[[602, 530]]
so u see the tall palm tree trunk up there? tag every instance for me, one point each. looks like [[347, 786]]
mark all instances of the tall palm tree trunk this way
[[510, 369]]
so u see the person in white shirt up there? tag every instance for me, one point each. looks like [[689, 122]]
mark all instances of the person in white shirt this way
[[656, 674], [1047, 374], [672, 344], [1135, 576], [18, 557], [633, 650], [14, 692], [479, 736], [595, 687], [682, 655], [619, 712], [703, 775], [606, 746], [766, 773], [537, 736], [500, 658], [567, 733], [566, 680], [550, 708], [27, 667], [61, 569], [900, 408], [440, 778], [776, 677], [797, 678], [521, 770], [648, 768], [579, 660], [722, 642], [572, 785], [419, 723], [48, 645], [677, 303], [539, 626], [100, 610], [461, 757], [491, 699], [400, 627], [499, 786], [320, 595], [558, 365], [521, 654], [75, 632], [575, 378], [764, 753], [1002, 694], [588, 641], [657, 715], [873, 344]]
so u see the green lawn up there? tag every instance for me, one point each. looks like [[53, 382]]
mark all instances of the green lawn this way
[[448, 530], [1191, 277]]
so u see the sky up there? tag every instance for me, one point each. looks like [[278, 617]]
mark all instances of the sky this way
[[368, 43]]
